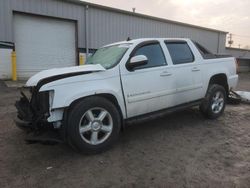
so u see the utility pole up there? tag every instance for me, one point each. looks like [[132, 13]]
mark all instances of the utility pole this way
[[230, 42], [239, 45]]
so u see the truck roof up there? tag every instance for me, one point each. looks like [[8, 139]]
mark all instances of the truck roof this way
[[139, 40]]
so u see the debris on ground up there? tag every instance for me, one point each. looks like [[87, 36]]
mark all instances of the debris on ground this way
[[234, 98], [245, 96]]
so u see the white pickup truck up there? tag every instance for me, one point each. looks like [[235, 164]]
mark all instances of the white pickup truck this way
[[124, 81]]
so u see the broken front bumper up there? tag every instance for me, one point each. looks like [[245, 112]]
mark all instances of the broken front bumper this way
[[33, 111], [32, 114]]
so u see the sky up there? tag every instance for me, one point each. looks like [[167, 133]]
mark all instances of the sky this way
[[227, 15]]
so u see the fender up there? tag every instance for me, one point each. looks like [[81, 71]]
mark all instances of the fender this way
[[66, 91], [214, 72], [56, 113], [80, 95]]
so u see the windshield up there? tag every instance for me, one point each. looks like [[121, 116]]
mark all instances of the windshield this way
[[108, 56]]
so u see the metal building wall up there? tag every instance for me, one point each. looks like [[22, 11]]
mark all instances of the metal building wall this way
[[239, 53], [105, 25], [243, 57], [52, 8]]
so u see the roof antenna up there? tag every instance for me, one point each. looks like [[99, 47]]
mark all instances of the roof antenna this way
[[128, 39]]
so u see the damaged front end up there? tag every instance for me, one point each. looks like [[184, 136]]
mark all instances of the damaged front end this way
[[33, 110]]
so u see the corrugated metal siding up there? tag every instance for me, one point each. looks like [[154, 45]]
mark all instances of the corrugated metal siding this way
[[238, 53], [104, 26], [243, 57], [107, 27], [53, 8], [5, 21], [221, 43], [5, 63], [244, 65]]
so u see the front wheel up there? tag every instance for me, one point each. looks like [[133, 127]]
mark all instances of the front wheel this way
[[214, 103], [93, 125]]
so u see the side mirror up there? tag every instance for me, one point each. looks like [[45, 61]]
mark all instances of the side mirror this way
[[137, 61]]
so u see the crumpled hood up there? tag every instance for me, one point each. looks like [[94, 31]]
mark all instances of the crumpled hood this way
[[60, 71]]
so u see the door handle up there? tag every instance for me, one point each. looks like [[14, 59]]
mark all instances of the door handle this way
[[195, 69], [166, 73]]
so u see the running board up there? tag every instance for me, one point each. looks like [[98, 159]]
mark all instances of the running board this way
[[160, 113]]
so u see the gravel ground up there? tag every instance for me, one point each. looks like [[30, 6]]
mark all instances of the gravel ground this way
[[179, 150]]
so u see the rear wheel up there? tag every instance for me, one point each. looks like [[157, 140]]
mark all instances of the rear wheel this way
[[214, 103], [93, 125]]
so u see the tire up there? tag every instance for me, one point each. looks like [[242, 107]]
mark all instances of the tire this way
[[99, 122], [214, 102]]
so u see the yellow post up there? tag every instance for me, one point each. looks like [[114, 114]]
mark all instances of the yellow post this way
[[13, 62], [81, 60]]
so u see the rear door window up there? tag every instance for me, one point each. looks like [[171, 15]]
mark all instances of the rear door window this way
[[180, 52]]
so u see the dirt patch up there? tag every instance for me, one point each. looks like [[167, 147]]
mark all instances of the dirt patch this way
[[179, 150]]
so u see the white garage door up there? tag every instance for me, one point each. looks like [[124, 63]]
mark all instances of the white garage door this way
[[43, 43]]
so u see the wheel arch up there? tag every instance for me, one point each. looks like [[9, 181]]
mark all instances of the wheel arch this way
[[220, 79], [107, 96], [110, 97]]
